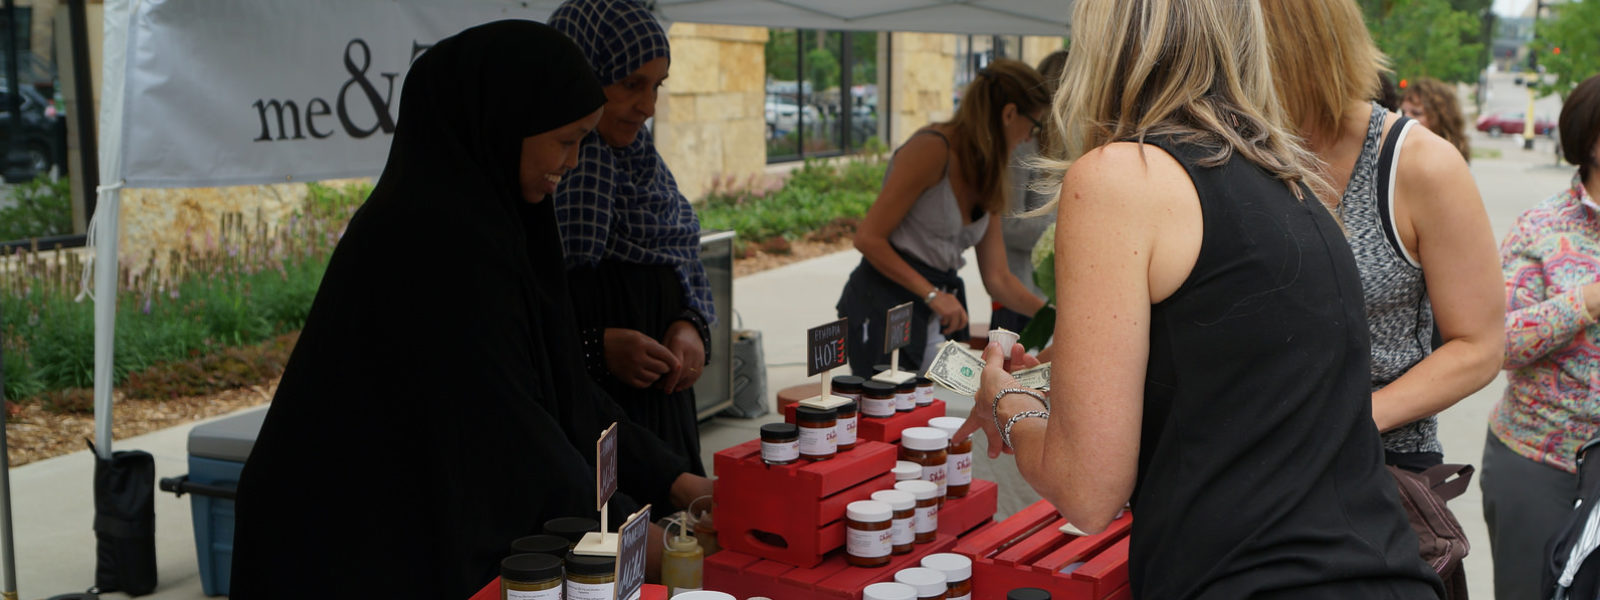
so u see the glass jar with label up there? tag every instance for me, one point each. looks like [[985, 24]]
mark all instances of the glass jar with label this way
[[868, 533], [889, 591], [845, 429], [591, 577], [925, 521], [957, 571], [530, 577], [927, 446], [571, 528], [905, 509], [848, 386], [780, 443], [818, 438], [958, 457], [928, 582], [906, 470], [905, 396], [877, 399], [924, 391]]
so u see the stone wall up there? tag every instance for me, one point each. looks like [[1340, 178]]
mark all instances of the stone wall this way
[[161, 220], [1035, 48], [922, 82], [710, 119]]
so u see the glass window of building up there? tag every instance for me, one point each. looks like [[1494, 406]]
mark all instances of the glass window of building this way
[[821, 92]]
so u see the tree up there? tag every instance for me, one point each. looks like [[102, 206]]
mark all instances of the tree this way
[[783, 54], [1575, 30], [822, 69], [1430, 38]]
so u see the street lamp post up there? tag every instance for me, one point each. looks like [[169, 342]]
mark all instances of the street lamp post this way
[[1533, 79]]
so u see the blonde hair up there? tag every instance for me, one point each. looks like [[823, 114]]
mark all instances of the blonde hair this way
[[1051, 69], [1196, 70], [1323, 58], [1438, 100], [979, 133]]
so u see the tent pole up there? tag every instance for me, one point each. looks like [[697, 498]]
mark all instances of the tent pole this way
[[105, 313], [9, 591]]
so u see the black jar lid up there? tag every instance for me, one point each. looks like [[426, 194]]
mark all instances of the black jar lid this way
[[880, 368], [848, 408], [848, 383], [878, 388], [544, 543], [530, 567], [779, 432], [924, 381], [571, 528], [806, 414], [909, 385], [1027, 594], [582, 564]]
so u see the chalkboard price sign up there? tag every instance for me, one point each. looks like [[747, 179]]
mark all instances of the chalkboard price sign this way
[[632, 538], [825, 347], [605, 466], [898, 333]]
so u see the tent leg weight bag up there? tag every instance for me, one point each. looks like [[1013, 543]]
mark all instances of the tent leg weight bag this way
[[125, 522]]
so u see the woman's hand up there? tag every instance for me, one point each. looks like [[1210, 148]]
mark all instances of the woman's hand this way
[[951, 316], [683, 341], [995, 378], [689, 487], [636, 359]]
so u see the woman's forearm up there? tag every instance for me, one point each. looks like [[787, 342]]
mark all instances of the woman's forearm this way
[[1457, 369]]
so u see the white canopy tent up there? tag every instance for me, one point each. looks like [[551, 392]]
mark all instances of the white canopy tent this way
[[199, 93]]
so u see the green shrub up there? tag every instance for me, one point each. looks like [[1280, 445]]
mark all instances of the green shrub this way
[[41, 208], [815, 195]]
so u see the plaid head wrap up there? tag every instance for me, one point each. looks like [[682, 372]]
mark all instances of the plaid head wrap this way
[[622, 203]]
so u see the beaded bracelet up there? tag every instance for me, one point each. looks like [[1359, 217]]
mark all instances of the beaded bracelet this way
[[1005, 434]]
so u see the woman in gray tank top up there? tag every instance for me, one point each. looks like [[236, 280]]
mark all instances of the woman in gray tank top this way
[[944, 193]]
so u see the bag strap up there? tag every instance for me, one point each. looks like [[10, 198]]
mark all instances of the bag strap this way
[[1439, 478]]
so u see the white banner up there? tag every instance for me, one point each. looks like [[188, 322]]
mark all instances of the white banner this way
[[235, 92]]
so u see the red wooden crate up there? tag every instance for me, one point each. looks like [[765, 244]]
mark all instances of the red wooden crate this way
[[960, 515], [886, 430], [650, 591], [1029, 550], [802, 504], [745, 576]]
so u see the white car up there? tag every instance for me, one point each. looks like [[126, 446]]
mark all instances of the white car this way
[[784, 116]]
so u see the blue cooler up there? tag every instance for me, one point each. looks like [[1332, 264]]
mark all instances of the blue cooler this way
[[217, 451]]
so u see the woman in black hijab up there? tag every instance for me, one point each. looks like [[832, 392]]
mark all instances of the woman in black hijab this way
[[426, 417]]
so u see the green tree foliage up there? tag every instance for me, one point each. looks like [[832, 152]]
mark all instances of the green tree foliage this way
[[1429, 38], [782, 54], [1575, 29], [822, 69]]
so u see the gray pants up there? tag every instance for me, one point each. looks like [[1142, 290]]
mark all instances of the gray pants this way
[[1525, 503]]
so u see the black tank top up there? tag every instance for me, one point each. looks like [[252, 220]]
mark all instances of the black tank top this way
[[1260, 469]]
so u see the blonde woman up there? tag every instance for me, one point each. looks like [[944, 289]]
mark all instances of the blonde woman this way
[[1434, 105], [943, 194], [1210, 357]]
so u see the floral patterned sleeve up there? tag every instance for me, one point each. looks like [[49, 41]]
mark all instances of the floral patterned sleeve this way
[[1536, 324]]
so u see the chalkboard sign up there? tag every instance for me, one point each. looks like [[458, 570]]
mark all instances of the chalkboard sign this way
[[605, 467], [898, 334], [825, 347], [632, 538]]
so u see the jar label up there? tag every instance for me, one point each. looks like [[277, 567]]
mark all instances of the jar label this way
[[846, 430], [869, 544], [780, 451], [906, 401], [877, 407], [924, 395], [590, 591], [936, 475], [959, 469], [818, 441], [966, 596], [927, 519], [550, 594], [903, 532]]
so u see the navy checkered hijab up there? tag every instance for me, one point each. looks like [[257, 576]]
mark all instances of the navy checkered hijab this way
[[622, 203]]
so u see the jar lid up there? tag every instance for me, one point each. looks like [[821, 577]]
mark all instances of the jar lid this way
[[921, 490], [868, 511], [571, 528], [907, 386], [896, 499], [924, 381], [880, 388], [889, 591], [879, 368], [544, 543], [927, 581], [905, 469], [949, 425], [848, 383], [848, 408], [924, 438], [703, 595], [530, 567], [1027, 594], [954, 566], [806, 414], [778, 432], [583, 564]]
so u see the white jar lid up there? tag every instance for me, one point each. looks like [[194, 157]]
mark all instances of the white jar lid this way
[[896, 499], [889, 591], [927, 581], [919, 489], [868, 511], [949, 425], [703, 595], [905, 469], [954, 566], [924, 438]]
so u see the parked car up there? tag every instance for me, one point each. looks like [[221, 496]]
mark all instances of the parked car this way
[[783, 115], [1512, 123], [42, 132]]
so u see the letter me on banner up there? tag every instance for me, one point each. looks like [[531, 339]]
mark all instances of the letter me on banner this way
[[234, 92]]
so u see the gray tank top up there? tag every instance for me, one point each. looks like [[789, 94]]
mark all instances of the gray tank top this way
[[1399, 315], [933, 230]]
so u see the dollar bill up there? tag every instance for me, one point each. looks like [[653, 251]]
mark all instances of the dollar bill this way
[[956, 369], [1035, 377]]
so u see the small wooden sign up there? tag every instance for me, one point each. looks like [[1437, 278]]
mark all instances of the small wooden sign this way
[[634, 535], [898, 333], [825, 347], [605, 451]]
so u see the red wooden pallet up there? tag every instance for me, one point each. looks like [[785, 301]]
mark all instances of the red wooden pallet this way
[[960, 515], [745, 576], [1029, 550], [886, 430], [794, 514]]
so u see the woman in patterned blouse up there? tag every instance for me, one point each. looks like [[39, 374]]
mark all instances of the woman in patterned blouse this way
[[1552, 266]]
